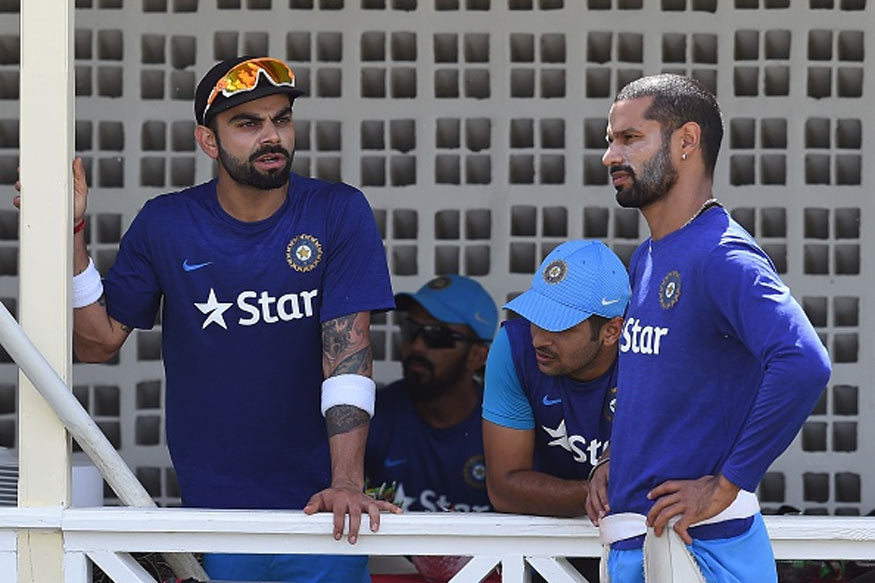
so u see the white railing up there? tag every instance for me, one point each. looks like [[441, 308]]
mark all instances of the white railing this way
[[106, 536]]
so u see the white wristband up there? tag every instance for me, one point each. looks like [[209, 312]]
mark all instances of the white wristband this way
[[349, 389], [87, 286]]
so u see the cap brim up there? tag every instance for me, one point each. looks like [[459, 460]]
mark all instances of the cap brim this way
[[438, 310], [546, 313]]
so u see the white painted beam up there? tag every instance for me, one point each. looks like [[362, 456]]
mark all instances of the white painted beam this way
[[45, 262]]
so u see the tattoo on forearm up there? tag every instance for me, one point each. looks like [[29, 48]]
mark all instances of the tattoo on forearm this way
[[346, 345], [344, 418], [336, 335], [357, 363]]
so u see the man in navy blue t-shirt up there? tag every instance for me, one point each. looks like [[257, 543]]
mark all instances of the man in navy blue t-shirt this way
[[718, 365], [426, 433], [265, 281], [426, 438]]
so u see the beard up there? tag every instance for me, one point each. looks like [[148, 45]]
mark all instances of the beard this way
[[244, 172], [423, 386], [658, 176]]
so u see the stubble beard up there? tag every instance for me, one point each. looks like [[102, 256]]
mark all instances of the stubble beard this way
[[427, 387], [244, 171], [658, 176]]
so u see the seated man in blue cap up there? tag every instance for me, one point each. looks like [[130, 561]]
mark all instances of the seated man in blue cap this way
[[551, 383], [425, 437]]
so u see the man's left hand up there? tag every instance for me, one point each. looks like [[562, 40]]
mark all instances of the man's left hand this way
[[693, 500], [343, 500]]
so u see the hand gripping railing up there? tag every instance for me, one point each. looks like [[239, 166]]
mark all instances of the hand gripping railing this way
[[86, 432]]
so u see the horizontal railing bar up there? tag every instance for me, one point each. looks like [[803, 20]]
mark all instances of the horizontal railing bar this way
[[179, 529]]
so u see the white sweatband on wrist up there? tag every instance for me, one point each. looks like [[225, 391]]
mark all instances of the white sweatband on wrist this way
[[87, 286], [349, 389]]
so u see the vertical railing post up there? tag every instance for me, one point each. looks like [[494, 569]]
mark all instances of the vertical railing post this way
[[45, 262]]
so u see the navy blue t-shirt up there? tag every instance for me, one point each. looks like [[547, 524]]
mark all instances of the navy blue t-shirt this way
[[434, 468], [241, 312], [572, 420]]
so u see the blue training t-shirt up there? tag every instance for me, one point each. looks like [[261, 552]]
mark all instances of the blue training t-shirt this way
[[719, 366], [435, 468], [572, 420], [241, 311]]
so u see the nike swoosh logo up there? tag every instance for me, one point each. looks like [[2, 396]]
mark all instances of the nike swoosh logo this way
[[392, 463], [550, 402], [607, 302], [480, 318], [193, 266]]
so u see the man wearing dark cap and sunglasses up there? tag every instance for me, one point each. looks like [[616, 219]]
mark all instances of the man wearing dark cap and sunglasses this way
[[551, 383], [425, 443], [266, 281]]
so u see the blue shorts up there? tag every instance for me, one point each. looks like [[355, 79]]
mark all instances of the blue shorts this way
[[746, 558], [290, 568]]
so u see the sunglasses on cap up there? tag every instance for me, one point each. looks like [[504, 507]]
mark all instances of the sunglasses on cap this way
[[244, 77], [434, 335]]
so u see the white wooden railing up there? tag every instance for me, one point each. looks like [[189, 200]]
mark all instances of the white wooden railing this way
[[105, 536]]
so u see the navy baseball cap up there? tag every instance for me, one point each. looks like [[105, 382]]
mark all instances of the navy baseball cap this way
[[242, 79], [456, 299], [576, 280]]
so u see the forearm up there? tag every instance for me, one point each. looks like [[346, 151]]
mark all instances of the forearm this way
[[789, 390], [96, 336], [531, 492], [347, 434], [346, 350]]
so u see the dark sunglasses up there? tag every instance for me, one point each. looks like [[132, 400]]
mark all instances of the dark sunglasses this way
[[434, 335]]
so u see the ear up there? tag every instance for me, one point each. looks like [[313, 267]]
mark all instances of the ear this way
[[610, 332], [689, 137], [477, 356], [206, 139]]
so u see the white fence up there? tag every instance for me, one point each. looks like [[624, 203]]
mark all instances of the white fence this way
[[105, 536]]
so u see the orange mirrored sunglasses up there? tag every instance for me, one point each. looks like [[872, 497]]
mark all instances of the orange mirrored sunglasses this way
[[244, 77]]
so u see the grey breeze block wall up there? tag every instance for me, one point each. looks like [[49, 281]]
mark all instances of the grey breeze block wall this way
[[475, 128]]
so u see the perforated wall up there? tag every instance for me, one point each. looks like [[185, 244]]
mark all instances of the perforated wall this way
[[476, 127]]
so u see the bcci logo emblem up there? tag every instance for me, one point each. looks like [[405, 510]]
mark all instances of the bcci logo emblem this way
[[556, 271], [304, 253], [440, 282], [670, 290], [474, 472], [610, 404]]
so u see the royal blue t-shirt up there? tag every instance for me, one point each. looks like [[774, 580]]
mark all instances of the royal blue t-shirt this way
[[719, 366], [572, 420], [241, 312], [435, 468]]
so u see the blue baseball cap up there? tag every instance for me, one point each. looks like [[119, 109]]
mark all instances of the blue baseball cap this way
[[576, 280], [456, 299]]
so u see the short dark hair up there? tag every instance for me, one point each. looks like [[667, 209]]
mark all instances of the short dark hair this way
[[676, 101], [596, 323]]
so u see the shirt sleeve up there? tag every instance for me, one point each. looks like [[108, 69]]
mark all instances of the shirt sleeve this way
[[504, 401], [356, 276], [133, 292], [757, 308]]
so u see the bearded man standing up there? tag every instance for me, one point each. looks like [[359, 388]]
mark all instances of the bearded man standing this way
[[718, 365], [265, 281]]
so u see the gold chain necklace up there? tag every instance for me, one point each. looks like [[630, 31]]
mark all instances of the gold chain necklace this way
[[711, 202]]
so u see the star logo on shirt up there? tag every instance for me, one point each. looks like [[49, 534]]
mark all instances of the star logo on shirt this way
[[559, 435], [215, 310], [401, 499]]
